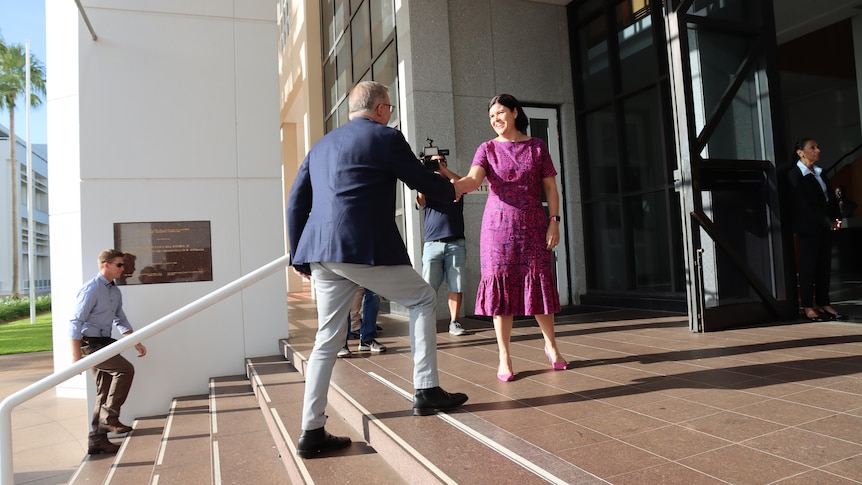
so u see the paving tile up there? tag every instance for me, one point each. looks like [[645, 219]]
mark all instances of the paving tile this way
[[621, 423], [783, 412], [805, 447], [611, 458], [674, 442], [665, 474], [674, 410], [850, 468], [732, 426], [826, 399], [741, 465], [841, 426], [818, 477]]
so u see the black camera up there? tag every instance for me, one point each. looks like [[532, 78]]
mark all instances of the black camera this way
[[430, 151]]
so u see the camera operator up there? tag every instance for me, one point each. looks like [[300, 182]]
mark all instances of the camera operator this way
[[445, 252]]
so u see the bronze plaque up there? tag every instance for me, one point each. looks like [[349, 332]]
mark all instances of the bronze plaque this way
[[164, 252]]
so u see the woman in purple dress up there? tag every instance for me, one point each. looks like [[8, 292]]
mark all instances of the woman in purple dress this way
[[517, 236]]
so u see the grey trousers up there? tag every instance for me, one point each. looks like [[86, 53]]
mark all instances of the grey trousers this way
[[335, 284]]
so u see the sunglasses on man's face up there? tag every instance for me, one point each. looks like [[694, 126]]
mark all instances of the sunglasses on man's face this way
[[119, 265]]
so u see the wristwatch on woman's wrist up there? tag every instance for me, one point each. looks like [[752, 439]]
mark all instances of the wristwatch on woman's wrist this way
[[555, 218]]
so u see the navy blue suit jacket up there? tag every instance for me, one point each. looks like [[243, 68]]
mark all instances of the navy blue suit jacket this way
[[341, 208]]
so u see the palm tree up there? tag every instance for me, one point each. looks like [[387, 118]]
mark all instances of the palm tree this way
[[13, 79]]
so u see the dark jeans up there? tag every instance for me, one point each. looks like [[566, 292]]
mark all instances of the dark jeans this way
[[370, 309]]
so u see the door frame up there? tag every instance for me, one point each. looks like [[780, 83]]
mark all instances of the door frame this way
[[552, 138]]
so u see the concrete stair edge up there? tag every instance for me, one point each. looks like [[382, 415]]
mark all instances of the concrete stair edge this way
[[244, 449], [183, 439], [408, 462], [295, 469]]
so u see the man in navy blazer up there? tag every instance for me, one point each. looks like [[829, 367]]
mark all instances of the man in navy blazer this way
[[342, 232]]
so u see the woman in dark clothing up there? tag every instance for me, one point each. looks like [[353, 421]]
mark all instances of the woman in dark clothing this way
[[815, 216]]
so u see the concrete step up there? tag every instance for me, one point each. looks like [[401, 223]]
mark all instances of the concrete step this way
[[374, 394], [185, 453], [133, 464], [279, 387], [243, 449]]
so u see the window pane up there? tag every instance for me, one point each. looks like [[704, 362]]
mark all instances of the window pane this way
[[607, 263], [648, 219], [342, 113], [342, 65], [382, 22], [732, 10], [334, 15], [330, 91], [603, 159], [385, 72], [361, 40], [714, 57], [638, 62], [645, 162], [736, 136], [595, 73]]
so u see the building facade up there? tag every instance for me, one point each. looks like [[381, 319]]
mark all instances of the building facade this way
[[40, 237], [668, 119], [670, 123]]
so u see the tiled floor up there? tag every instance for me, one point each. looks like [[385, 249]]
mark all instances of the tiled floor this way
[[644, 401], [49, 433]]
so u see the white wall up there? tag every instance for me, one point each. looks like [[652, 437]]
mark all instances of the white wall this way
[[171, 115]]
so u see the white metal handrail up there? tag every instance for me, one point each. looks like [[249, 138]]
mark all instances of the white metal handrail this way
[[6, 474]]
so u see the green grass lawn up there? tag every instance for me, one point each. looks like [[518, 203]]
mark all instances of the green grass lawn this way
[[20, 336]]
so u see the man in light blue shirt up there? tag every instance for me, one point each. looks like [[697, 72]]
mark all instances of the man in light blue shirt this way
[[99, 308]]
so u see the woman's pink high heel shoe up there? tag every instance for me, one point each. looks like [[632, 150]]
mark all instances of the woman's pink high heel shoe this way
[[505, 376], [556, 365]]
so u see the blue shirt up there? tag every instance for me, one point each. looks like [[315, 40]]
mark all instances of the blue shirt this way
[[443, 219], [100, 305]]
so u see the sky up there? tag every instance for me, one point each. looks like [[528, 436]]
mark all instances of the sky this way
[[20, 21]]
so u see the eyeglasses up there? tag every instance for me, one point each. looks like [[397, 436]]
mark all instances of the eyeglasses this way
[[391, 107], [119, 265]]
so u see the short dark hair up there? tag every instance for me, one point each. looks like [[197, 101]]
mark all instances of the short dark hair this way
[[509, 101], [109, 255]]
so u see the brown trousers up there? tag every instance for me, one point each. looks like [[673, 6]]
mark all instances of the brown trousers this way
[[113, 382]]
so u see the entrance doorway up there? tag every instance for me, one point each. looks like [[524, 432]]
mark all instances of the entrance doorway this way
[[544, 125]]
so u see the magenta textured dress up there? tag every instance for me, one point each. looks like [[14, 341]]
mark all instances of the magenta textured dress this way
[[517, 270]]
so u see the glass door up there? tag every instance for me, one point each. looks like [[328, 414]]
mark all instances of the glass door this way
[[723, 68]]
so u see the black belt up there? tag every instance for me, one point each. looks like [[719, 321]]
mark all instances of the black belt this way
[[97, 340], [448, 239]]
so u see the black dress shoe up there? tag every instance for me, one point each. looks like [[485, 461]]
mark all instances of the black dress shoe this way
[[316, 441], [835, 316], [818, 318], [101, 444], [428, 401]]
